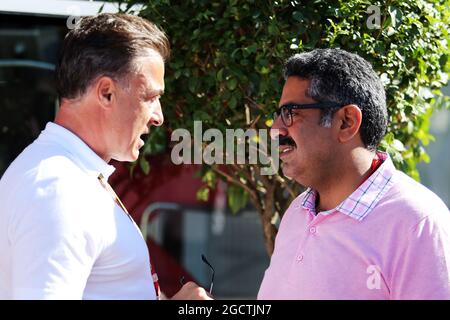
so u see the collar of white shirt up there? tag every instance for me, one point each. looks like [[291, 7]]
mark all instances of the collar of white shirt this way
[[81, 153]]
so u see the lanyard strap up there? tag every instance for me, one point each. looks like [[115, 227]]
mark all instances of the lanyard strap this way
[[116, 198], [155, 280]]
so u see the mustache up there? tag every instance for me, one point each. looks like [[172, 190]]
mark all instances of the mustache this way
[[286, 140]]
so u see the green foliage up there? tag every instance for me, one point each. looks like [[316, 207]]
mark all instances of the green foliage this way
[[155, 143], [236, 198], [227, 57], [410, 52]]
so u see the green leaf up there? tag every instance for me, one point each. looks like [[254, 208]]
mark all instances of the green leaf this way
[[389, 138], [203, 194], [177, 74], [232, 83], [193, 84], [273, 29], [264, 70], [298, 16], [210, 178], [220, 75], [145, 165], [425, 93], [233, 102], [398, 145], [237, 198], [252, 48]]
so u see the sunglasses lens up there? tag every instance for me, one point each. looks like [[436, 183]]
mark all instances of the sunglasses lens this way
[[286, 116], [275, 115]]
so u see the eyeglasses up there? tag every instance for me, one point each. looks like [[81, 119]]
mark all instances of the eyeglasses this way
[[286, 110], [212, 274]]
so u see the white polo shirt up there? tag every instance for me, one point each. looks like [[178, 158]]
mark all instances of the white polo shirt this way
[[62, 236]]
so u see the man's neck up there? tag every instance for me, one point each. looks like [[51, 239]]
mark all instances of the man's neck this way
[[352, 172], [83, 126]]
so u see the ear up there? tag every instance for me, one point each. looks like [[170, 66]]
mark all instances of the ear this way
[[349, 120], [105, 91]]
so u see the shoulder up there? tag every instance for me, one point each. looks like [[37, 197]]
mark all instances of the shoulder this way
[[411, 202], [299, 201], [296, 206], [43, 166], [40, 162], [47, 197], [44, 182], [415, 196], [55, 205]]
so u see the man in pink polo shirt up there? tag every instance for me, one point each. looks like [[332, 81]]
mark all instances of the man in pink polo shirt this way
[[362, 229]]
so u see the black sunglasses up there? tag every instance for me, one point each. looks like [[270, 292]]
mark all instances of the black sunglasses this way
[[212, 274], [286, 110]]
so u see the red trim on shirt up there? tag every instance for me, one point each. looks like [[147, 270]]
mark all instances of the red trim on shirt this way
[[376, 163]]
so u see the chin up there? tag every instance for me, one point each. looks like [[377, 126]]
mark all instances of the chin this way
[[292, 174], [134, 157], [128, 157], [132, 154], [286, 172]]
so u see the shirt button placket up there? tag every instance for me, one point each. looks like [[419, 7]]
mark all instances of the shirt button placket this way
[[312, 230]]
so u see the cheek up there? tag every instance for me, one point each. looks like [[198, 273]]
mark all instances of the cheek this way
[[144, 113], [312, 142], [323, 148], [140, 118]]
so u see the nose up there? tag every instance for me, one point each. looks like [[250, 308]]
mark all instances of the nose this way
[[157, 117], [277, 129]]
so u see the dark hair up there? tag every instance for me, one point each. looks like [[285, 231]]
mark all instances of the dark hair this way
[[346, 78], [105, 45]]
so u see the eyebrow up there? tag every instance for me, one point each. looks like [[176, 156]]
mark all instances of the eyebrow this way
[[154, 92], [289, 102]]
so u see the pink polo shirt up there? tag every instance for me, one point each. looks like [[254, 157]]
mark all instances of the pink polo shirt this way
[[390, 239]]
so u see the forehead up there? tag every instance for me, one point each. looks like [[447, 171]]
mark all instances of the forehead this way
[[295, 91], [150, 72]]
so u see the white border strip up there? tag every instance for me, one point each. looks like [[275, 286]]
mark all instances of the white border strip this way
[[61, 8]]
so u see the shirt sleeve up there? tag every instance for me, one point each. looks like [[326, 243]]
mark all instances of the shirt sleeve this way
[[423, 269], [52, 251]]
